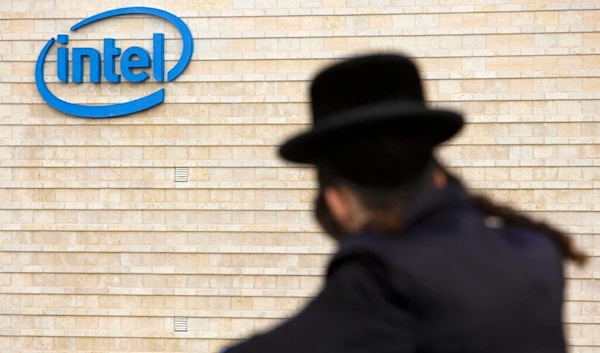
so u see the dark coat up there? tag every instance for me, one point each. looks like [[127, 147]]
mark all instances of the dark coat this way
[[451, 282]]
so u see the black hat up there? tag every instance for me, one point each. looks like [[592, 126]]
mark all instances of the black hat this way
[[369, 93]]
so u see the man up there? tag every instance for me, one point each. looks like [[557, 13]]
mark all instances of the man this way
[[422, 265]]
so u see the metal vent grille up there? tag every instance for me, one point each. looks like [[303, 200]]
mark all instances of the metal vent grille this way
[[181, 174], [181, 324]]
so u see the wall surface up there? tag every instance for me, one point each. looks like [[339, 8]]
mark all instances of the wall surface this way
[[101, 249]]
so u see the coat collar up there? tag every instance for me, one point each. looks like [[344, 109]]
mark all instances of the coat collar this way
[[452, 196], [430, 201]]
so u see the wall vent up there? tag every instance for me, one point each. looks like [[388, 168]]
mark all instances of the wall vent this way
[[181, 174], [181, 324]]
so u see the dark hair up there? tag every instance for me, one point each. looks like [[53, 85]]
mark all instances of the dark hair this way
[[511, 216], [386, 162]]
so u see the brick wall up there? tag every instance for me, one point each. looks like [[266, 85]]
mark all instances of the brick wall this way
[[101, 249]]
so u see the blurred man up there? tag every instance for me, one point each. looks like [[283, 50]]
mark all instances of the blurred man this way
[[422, 265]]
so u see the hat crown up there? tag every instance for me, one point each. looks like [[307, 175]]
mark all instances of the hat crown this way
[[366, 96], [364, 81]]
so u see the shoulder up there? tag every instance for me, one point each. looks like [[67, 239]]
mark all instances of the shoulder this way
[[392, 255], [362, 279], [367, 262]]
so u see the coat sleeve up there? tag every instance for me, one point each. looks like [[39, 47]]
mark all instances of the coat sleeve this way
[[356, 312]]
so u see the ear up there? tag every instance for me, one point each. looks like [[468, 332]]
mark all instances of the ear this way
[[439, 179], [338, 203]]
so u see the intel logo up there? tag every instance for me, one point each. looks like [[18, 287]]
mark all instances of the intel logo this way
[[136, 65]]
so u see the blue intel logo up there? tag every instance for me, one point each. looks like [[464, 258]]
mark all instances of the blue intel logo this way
[[133, 58]]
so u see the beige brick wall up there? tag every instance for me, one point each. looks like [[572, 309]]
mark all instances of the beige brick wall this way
[[101, 249]]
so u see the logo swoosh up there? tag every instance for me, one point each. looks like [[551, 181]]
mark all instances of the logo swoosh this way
[[119, 109]]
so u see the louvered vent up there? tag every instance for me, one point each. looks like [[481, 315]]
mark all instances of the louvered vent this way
[[181, 174], [181, 324]]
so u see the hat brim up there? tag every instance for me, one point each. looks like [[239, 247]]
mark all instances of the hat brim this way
[[428, 127]]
